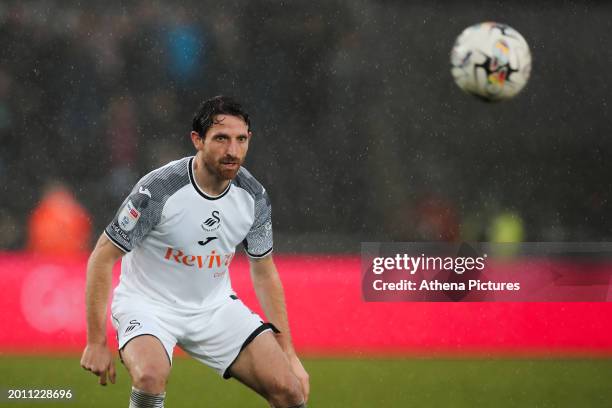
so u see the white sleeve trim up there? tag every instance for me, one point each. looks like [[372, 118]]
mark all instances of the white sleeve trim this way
[[111, 239], [268, 252]]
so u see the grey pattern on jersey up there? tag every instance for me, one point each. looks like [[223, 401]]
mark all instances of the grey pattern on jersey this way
[[147, 198], [258, 242]]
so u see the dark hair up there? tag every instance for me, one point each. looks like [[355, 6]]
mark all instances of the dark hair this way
[[203, 119]]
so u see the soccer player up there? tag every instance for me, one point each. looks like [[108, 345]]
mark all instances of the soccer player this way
[[177, 232]]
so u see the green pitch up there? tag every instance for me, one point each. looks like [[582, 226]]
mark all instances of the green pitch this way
[[342, 383]]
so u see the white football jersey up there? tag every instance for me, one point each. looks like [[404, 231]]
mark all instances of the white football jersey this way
[[179, 241]]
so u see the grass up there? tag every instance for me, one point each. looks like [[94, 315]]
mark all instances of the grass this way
[[341, 383]]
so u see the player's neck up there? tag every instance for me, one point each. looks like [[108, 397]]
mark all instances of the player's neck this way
[[207, 181]]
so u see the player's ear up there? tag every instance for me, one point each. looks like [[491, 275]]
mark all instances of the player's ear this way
[[196, 140]]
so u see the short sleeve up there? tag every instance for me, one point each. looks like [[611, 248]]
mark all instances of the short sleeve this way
[[258, 242], [138, 214]]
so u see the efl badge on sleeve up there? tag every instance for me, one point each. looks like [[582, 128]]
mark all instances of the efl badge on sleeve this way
[[128, 217]]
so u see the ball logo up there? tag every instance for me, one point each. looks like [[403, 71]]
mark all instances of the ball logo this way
[[212, 223], [128, 217]]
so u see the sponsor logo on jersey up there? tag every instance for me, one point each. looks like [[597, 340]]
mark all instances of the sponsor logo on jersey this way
[[212, 223], [134, 325], [211, 260], [128, 217], [208, 239], [121, 233]]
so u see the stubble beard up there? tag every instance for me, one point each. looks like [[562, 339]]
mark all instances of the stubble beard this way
[[221, 173]]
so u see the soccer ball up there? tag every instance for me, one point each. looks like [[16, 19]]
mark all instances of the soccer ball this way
[[491, 61]]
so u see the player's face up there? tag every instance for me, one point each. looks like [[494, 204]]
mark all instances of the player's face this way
[[225, 146]]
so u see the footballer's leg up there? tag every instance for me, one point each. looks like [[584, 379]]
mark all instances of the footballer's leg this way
[[149, 366], [263, 366]]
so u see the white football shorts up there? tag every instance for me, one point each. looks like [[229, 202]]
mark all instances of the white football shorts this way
[[215, 337]]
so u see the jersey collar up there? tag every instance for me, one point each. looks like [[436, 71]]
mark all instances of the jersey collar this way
[[199, 190]]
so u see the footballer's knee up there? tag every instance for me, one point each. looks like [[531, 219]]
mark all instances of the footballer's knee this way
[[150, 378], [285, 392]]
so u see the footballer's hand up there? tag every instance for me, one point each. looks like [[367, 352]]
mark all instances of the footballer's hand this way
[[98, 359], [301, 374]]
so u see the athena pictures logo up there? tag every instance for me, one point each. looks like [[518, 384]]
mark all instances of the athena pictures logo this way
[[485, 272], [212, 223]]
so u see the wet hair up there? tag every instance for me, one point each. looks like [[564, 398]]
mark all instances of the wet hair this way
[[203, 119]]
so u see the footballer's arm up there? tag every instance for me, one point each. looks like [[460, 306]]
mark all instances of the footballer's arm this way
[[97, 357], [271, 296]]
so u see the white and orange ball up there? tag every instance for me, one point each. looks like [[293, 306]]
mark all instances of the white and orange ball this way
[[491, 61]]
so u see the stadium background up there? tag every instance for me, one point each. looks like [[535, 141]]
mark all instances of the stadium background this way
[[360, 135]]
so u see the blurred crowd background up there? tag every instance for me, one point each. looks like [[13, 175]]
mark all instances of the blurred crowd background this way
[[359, 131]]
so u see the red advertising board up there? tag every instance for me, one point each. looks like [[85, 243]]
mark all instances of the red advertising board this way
[[43, 310]]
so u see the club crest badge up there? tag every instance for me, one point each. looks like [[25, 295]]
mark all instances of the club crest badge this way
[[212, 223]]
